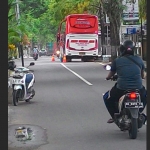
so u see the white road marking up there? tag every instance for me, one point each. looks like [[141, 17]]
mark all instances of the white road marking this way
[[77, 75]]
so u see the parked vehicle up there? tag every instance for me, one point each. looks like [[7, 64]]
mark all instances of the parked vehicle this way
[[22, 84], [42, 52], [129, 118]]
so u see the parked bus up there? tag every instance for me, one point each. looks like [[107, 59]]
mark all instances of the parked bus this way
[[78, 37]]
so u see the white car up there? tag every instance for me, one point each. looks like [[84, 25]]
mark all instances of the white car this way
[[42, 52]]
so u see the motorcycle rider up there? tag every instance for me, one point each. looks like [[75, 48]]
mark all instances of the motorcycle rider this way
[[35, 50], [129, 77]]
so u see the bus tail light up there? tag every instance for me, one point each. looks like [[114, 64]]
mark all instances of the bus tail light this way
[[96, 46]]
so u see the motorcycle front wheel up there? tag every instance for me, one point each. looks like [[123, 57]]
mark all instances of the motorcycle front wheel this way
[[133, 128], [16, 94]]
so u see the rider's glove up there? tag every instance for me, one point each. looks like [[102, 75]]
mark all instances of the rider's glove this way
[[115, 77]]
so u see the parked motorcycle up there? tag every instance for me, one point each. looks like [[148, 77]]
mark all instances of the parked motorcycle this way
[[128, 118], [35, 56], [22, 84]]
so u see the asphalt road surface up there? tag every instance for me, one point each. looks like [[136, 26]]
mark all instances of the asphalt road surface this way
[[68, 110]]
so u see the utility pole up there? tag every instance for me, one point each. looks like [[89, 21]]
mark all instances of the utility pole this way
[[20, 47], [142, 44]]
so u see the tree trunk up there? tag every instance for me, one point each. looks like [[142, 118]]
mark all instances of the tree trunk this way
[[102, 21], [114, 9], [114, 37]]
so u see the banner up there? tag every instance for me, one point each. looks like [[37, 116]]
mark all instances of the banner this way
[[130, 15]]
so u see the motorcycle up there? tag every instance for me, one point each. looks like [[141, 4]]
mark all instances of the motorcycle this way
[[35, 56], [58, 54], [128, 118], [22, 84]]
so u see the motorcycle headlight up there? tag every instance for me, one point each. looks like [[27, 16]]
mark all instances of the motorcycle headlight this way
[[57, 52]]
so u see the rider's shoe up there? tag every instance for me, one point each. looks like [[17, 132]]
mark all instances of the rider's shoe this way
[[110, 120], [145, 120]]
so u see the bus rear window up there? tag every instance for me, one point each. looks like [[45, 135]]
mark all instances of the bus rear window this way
[[82, 22]]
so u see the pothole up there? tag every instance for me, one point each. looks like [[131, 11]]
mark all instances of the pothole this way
[[26, 136]]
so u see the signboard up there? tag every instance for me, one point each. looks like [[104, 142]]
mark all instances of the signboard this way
[[82, 21], [107, 19], [50, 45], [131, 30], [123, 28], [130, 14]]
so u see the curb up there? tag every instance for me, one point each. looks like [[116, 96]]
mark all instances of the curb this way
[[101, 63], [8, 113]]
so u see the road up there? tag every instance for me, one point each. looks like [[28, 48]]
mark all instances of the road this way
[[68, 110]]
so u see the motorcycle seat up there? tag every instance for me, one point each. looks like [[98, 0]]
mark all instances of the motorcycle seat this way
[[132, 90], [17, 77]]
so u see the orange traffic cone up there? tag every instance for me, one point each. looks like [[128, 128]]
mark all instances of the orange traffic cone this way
[[53, 58], [64, 59]]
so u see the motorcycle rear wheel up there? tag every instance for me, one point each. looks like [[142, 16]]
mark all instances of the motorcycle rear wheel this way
[[133, 128], [16, 97]]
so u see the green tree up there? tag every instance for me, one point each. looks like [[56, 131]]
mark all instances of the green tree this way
[[42, 17], [143, 9], [15, 30]]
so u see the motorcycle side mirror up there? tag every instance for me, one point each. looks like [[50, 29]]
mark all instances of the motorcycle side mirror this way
[[107, 67], [32, 64]]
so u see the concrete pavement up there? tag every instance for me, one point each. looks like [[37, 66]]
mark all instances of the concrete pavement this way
[[72, 113]]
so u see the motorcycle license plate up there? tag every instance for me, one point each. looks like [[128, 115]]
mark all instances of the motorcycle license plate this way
[[133, 105], [15, 81]]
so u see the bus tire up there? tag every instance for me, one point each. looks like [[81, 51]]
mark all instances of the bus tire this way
[[68, 59], [84, 59]]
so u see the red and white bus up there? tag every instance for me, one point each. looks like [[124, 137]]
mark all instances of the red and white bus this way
[[78, 37]]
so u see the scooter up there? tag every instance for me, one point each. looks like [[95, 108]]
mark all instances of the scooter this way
[[35, 56], [22, 84], [128, 118], [58, 54]]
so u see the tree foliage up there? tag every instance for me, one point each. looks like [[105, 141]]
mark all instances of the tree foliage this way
[[143, 9], [15, 30], [42, 17]]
